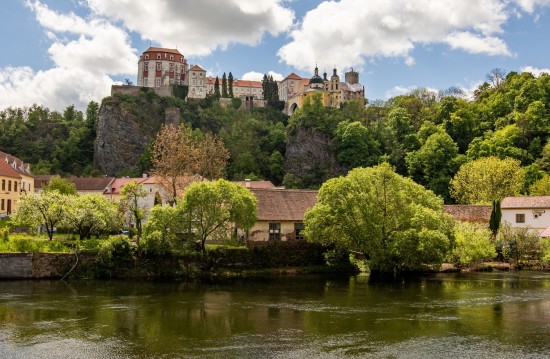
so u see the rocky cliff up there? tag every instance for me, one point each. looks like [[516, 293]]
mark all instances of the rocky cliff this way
[[126, 125], [310, 158]]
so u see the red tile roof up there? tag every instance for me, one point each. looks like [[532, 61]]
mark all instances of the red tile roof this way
[[161, 49], [91, 183], [283, 204], [469, 213], [256, 184], [8, 171], [118, 183], [236, 83], [20, 166], [41, 180], [526, 202], [293, 76], [197, 68]]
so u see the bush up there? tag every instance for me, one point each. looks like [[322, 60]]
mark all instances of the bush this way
[[114, 251], [519, 244], [472, 244], [236, 103], [155, 244], [4, 234]]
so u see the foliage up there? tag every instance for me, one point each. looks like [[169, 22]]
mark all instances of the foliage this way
[[91, 214], [161, 231], [496, 216], [46, 210], [236, 103], [217, 208], [225, 94], [519, 244], [179, 158], [394, 222], [230, 84], [15, 244], [60, 185], [180, 91], [270, 89], [113, 252], [132, 196], [487, 179], [473, 244], [541, 187]]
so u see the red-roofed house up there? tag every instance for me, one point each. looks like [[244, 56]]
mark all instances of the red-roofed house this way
[[241, 88], [9, 190], [531, 212]]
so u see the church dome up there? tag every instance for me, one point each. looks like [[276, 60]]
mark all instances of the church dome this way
[[316, 79]]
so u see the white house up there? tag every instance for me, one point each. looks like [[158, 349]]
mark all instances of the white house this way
[[531, 212]]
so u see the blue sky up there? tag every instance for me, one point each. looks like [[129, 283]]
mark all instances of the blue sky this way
[[58, 53]]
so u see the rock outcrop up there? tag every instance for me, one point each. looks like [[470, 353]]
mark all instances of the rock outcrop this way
[[310, 159], [126, 125]]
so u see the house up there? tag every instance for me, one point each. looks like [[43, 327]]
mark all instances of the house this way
[[281, 213], [83, 185], [16, 179], [469, 213], [531, 212]]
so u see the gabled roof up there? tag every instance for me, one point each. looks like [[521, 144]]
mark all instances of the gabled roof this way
[[197, 68], [20, 166], [283, 204], [91, 183], [469, 213], [256, 184], [293, 76], [118, 183], [162, 49], [526, 202], [8, 171]]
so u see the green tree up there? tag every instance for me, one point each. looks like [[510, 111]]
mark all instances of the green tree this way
[[217, 208], [224, 86], [230, 84], [540, 187], [496, 216], [161, 230], [91, 213], [396, 223], [356, 145], [486, 180], [60, 185], [217, 88], [132, 202], [45, 210], [473, 244]]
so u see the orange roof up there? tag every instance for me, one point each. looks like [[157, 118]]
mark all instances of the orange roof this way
[[8, 171], [292, 76], [91, 183], [162, 49], [20, 166], [283, 204], [197, 68], [236, 83], [526, 202], [118, 183]]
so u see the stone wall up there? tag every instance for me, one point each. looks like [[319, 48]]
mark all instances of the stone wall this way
[[37, 265], [165, 91]]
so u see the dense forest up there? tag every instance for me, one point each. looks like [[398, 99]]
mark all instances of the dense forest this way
[[424, 135]]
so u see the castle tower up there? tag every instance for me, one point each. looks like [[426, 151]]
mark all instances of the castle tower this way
[[334, 80], [352, 77], [161, 67]]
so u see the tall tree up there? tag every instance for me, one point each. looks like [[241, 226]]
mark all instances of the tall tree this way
[[60, 185], [217, 208], [486, 180], [45, 210], [496, 216], [224, 86], [132, 201], [230, 84], [217, 87], [396, 223], [91, 213]]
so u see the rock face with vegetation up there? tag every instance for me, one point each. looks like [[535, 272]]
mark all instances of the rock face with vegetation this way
[[125, 127]]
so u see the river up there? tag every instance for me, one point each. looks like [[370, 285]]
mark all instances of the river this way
[[470, 315]]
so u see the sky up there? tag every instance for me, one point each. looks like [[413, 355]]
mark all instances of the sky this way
[[58, 53]]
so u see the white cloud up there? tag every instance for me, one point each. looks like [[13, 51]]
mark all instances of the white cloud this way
[[258, 76], [535, 71], [530, 5], [84, 53], [350, 32], [404, 90], [199, 27]]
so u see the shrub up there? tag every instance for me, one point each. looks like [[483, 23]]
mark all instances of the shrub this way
[[236, 103], [4, 234], [115, 250], [155, 244], [519, 244], [472, 244]]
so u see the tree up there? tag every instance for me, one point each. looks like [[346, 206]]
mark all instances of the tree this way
[[217, 88], [179, 159], [224, 86], [46, 210], [496, 76], [472, 244], [541, 187], [230, 84], [396, 223], [91, 213], [132, 195], [486, 180], [356, 145], [60, 185], [216, 208], [496, 216]]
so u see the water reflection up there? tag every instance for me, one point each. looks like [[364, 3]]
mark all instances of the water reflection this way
[[476, 314]]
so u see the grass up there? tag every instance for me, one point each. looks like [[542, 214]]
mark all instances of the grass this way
[[62, 243]]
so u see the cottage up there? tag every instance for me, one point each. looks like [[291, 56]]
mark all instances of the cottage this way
[[531, 212], [281, 213], [16, 179]]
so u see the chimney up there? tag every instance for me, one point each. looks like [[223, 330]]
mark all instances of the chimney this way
[[247, 182]]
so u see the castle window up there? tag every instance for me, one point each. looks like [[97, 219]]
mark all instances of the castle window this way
[[157, 81], [159, 66], [194, 82], [145, 82], [146, 57], [171, 57], [200, 74], [158, 56], [171, 81], [146, 66], [520, 218], [171, 67]]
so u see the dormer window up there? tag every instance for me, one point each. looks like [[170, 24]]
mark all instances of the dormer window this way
[[171, 57], [158, 56], [146, 57]]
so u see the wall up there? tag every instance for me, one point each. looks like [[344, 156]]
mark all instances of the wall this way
[[538, 224], [260, 231], [37, 265], [165, 91]]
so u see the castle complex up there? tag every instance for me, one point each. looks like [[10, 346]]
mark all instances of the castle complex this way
[[161, 67]]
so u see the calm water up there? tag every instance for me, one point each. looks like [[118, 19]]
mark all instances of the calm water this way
[[497, 315]]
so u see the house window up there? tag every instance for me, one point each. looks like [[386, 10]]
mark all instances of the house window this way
[[200, 74], [15, 186], [520, 218], [3, 185], [299, 231], [9, 186], [2, 207], [274, 231], [159, 66]]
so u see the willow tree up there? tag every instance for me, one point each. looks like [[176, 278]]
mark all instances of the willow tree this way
[[395, 223], [179, 159]]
